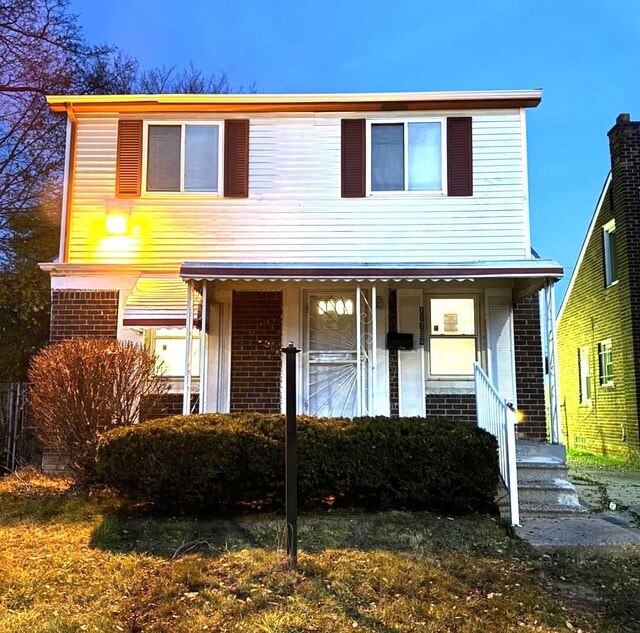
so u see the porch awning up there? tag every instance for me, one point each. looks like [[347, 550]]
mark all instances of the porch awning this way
[[529, 275], [157, 301]]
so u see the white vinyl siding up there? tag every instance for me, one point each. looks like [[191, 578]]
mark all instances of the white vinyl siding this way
[[500, 343], [295, 212]]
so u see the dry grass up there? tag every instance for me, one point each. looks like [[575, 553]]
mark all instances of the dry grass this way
[[83, 562]]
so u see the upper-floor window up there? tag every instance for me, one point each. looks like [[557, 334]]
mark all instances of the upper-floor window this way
[[170, 157], [610, 253], [605, 362], [427, 156], [407, 155], [183, 157], [452, 336], [584, 374]]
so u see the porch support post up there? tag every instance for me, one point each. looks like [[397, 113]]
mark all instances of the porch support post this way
[[552, 355], [186, 398], [374, 351], [358, 350], [203, 350]]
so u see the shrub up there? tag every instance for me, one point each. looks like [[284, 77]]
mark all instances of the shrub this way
[[220, 462], [83, 387]]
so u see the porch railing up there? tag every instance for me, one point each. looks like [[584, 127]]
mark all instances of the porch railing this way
[[496, 417]]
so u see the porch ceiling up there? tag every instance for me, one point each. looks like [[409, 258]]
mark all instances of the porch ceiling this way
[[528, 275]]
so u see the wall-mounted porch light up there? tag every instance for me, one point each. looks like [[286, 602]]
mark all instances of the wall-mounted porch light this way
[[117, 221]]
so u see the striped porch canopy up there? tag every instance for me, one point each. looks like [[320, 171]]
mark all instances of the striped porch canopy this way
[[528, 275], [157, 301]]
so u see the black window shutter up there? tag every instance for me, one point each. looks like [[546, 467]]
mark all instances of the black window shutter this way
[[236, 158], [459, 156], [353, 158]]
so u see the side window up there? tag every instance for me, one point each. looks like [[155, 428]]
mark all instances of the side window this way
[[452, 336], [605, 363], [610, 253], [584, 375], [169, 345]]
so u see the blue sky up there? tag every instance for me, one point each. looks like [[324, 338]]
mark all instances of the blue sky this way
[[584, 54]]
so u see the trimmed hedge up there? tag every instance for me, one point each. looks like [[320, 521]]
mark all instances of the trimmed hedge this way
[[221, 462]]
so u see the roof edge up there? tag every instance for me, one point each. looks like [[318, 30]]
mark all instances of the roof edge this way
[[392, 100], [583, 248]]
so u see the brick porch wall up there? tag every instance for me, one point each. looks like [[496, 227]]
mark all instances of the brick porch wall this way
[[460, 407], [256, 359], [83, 313], [394, 395], [530, 368]]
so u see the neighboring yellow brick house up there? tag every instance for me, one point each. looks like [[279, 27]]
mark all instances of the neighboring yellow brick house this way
[[599, 320]]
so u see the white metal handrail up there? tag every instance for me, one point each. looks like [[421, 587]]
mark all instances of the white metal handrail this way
[[495, 416]]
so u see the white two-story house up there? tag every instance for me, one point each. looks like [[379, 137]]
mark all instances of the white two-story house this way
[[385, 235]]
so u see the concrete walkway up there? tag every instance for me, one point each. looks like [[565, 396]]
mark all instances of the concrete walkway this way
[[612, 497]]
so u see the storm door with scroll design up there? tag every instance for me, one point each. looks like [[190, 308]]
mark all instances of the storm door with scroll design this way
[[336, 354]]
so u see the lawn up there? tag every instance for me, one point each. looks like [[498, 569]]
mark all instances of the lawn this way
[[73, 562]]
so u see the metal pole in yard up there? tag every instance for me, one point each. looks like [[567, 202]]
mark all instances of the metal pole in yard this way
[[291, 455]]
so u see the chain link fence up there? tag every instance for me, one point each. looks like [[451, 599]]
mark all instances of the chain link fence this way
[[18, 445]]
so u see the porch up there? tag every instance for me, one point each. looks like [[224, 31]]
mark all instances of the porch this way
[[376, 340]]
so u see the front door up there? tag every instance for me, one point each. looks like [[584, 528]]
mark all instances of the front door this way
[[332, 386]]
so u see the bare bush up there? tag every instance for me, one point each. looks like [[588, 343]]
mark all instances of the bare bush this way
[[83, 387]]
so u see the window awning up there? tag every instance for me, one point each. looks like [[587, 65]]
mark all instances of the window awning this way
[[528, 275], [157, 301]]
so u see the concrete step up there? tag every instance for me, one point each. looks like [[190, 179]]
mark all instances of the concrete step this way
[[558, 492], [531, 510], [544, 489], [546, 471], [526, 450]]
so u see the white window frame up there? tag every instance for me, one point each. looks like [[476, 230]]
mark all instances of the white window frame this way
[[608, 379], [607, 231], [443, 155], [451, 378], [182, 123], [584, 362]]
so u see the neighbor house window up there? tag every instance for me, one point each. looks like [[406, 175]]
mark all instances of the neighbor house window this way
[[452, 336], [183, 157], [584, 374], [610, 253], [605, 362], [407, 156]]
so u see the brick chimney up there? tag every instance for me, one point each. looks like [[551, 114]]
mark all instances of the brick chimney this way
[[624, 144]]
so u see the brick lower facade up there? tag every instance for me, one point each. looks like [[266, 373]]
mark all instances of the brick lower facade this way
[[256, 359], [83, 313], [530, 368], [454, 406]]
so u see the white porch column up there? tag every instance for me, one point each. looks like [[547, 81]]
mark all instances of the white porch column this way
[[373, 408], [359, 406], [203, 351], [186, 398]]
